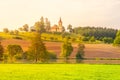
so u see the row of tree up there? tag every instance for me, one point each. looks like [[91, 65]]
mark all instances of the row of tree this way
[[97, 32]]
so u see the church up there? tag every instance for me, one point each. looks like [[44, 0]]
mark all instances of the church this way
[[57, 28]]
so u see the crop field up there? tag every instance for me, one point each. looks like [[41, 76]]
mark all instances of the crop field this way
[[59, 72], [91, 50]]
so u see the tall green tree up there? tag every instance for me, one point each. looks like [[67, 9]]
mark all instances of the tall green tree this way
[[38, 49], [40, 26], [1, 51], [66, 49], [69, 27], [13, 50], [26, 27], [80, 52], [117, 39]]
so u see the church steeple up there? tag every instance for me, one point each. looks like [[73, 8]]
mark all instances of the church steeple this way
[[60, 22]]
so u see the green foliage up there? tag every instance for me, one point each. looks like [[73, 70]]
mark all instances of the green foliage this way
[[38, 48], [107, 40], [92, 39], [118, 33], [85, 39], [97, 32], [40, 26], [117, 39], [69, 27], [5, 57], [1, 51], [25, 27], [18, 56], [80, 52], [66, 49], [17, 37], [52, 55], [14, 50]]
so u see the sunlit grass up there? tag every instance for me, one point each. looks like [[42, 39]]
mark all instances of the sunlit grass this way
[[59, 72]]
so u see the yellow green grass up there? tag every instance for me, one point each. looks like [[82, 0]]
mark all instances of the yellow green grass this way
[[59, 72]]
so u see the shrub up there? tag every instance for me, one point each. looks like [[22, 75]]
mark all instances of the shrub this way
[[92, 39], [16, 37], [14, 50], [80, 52], [85, 39], [18, 56], [107, 40], [52, 55]]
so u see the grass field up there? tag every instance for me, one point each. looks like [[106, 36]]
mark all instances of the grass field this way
[[59, 72]]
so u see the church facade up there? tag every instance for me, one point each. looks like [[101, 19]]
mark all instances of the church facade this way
[[57, 28]]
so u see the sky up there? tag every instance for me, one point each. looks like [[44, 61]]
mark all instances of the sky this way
[[104, 13]]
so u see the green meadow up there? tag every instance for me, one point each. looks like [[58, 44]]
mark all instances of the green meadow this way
[[59, 72]]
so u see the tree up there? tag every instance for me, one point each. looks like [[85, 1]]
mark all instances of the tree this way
[[107, 40], [47, 25], [39, 27], [117, 39], [11, 32], [16, 32], [26, 27], [92, 39], [38, 48], [70, 28], [80, 52], [21, 29], [1, 51], [13, 50], [5, 30], [97, 32], [66, 49], [63, 29]]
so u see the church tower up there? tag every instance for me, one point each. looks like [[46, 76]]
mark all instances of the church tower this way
[[60, 26], [60, 23]]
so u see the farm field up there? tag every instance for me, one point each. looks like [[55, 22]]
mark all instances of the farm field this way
[[59, 72], [91, 50]]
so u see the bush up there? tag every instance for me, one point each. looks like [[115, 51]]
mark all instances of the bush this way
[[18, 56], [5, 58], [92, 39], [85, 39], [16, 37], [52, 55], [80, 52], [107, 40]]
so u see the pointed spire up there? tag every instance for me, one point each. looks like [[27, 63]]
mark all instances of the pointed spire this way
[[60, 20]]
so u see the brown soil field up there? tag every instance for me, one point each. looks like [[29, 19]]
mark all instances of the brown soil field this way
[[91, 50]]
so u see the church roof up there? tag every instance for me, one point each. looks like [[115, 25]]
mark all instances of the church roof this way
[[54, 27]]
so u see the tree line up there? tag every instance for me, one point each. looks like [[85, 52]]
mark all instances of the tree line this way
[[97, 32]]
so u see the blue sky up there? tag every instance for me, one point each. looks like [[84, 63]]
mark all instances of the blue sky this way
[[104, 13]]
